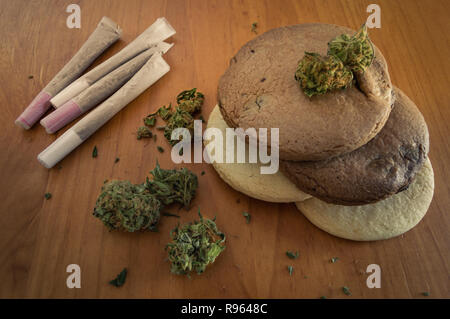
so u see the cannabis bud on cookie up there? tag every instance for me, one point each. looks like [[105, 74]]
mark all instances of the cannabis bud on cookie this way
[[346, 55], [320, 74], [356, 52]]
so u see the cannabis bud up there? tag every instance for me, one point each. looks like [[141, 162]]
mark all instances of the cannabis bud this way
[[143, 132], [179, 119], [190, 101], [346, 54], [356, 52], [128, 207], [317, 74], [194, 246], [171, 185]]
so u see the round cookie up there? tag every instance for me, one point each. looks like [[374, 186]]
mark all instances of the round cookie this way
[[386, 219], [259, 90], [246, 177], [384, 166]]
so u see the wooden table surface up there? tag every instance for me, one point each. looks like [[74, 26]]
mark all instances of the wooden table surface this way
[[39, 237]]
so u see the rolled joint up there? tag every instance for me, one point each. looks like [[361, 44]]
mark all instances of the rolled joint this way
[[59, 149], [61, 116], [34, 111]]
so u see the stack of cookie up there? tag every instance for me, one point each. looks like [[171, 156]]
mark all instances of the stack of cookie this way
[[353, 160]]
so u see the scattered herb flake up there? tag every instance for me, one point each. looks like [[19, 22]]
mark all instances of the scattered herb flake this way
[[94, 152], [247, 216], [30, 76], [425, 293], [160, 149], [202, 173], [48, 195], [254, 27], [120, 279], [292, 255], [150, 120], [291, 270], [334, 259], [323, 297], [165, 112], [116, 160], [143, 132], [346, 291]]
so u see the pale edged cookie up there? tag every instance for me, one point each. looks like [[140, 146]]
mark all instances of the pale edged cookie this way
[[384, 166], [385, 219], [259, 90], [246, 177]]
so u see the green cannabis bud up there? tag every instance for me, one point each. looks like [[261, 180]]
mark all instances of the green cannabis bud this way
[[179, 119], [190, 101], [143, 132], [317, 74], [172, 186], [356, 52], [127, 207], [194, 246]]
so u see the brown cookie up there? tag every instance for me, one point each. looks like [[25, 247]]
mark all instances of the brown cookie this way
[[259, 90], [384, 166]]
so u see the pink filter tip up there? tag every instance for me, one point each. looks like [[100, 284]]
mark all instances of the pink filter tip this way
[[34, 111], [63, 115]]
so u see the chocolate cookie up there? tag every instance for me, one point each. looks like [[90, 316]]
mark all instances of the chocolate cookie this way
[[385, 219], [384, 166], [259, 90]]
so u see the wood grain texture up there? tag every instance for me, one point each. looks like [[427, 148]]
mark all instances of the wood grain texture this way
[[39, 237]]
